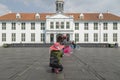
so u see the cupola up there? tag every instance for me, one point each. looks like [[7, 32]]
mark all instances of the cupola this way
[[59, 6]]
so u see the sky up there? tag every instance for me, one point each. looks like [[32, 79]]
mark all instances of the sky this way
[[48, 6]]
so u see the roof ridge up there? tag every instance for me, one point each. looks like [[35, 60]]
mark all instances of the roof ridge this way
[[88, 16]]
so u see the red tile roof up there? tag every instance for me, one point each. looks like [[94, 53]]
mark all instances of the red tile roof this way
[[31, 16], [95, 16]]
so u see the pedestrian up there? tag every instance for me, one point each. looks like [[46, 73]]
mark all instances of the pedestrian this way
[[67, 50], [64, 39], [55, 57], [73, 44]]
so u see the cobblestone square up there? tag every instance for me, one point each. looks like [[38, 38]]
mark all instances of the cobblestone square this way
[[83, 64]]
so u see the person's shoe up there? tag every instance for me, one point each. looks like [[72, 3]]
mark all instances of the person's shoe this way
[[56, 71], [52, 70]]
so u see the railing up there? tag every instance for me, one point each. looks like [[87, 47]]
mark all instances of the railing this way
[[100, 45], [90, 45], [29, 45]]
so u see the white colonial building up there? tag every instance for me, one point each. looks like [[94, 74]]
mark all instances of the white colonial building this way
[[45, 27]]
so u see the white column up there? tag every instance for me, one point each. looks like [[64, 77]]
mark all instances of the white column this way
[[71, 37], [54, 37], [47, 38]]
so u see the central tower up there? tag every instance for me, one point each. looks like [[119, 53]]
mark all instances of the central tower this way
[[59, 6]]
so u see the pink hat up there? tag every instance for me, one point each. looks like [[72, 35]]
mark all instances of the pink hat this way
[[56, 46]]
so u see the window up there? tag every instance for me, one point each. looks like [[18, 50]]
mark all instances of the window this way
[[105, 37], [95, 37], [86, 37], [68, 37], [76, 37], [13, 26], [100, 16], [95, 26], [37, 16], [67, 25], [57, 7], [18, 16], [3, 26], [51, 25], [81, 16], [23, 26], [115, 26], [33, 37], [32, 26], [3, 36], [114, 37], [42, 26], [42, 37], [76, 26], [23, 37], [57, 25], [59, 4], [85, 26], [51, 37], [13, 37], [62, 25], [105, 26]]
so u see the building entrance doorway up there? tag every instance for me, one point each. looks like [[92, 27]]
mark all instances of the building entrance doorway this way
[[51, 38], [68, 37], [61, 37]]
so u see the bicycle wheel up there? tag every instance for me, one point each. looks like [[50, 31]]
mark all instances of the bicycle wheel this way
[[77, 46]]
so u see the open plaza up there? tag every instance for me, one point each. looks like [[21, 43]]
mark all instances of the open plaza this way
[[25, 37], [83, 64]]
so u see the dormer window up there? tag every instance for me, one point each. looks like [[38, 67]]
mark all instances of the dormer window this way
[[18, 16], [37, 16], [71, 16], [100, 16], [81, 16]]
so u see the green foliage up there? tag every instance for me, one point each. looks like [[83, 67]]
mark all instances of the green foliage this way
[[112, 45], [5, 45]]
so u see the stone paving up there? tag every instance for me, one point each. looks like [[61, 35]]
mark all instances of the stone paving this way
[[83, 64]]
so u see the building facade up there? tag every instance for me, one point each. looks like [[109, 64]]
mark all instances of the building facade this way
[[46, 27]]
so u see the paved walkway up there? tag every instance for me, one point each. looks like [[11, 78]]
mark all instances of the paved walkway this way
[[83, 64]]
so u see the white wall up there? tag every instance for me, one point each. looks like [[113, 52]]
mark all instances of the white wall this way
[[59, 18], [100, 32], [18, 32], [38, 31]]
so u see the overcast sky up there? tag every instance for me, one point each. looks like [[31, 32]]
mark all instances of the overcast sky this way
[[81, 6]]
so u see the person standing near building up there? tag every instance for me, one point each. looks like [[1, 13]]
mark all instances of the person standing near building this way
[[64, 39], [73, 44], [55, 56]]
